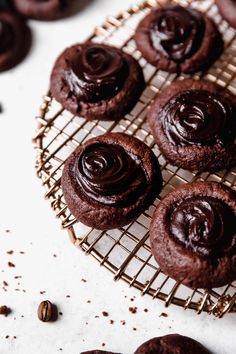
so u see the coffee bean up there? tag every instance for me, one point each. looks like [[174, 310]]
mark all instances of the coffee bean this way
[[46, 311]]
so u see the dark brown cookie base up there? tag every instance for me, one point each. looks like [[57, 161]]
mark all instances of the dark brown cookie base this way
[[98, 215], [13, 55], [209, 51], [172, 343], [191, 157], [182, 264], [227, 10], [42, 10], [110, 109]]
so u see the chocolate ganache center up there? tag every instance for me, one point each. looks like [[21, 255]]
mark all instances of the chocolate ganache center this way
[[197, 117], [6, 36], [109, 175], [205, 225], [177, 32], [96, 72]]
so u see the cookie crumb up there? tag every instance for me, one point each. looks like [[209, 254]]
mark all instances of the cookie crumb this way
[[163, 314], [4, 310], [133, 309]]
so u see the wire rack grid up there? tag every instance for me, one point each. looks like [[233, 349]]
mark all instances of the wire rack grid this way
[[126, 251]]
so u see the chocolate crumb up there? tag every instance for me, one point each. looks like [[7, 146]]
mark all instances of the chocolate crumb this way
[[67, 295], [60, 313], [145, 310], [96, 316], [133, 309], [7, 337], [163, 314], [22, 252], [89, 301], [18, 277], [11, 265], [10, 252], [123, 322], [84, 280], [111, 321], [5, 283], [42, 292], [105, 314], [4, 310], [103, 344], [134, 329]]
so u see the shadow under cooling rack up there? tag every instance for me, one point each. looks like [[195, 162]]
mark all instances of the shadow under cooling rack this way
[[126, 251]]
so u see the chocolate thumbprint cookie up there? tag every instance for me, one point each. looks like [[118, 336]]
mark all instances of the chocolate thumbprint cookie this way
[[178, 39], [193, 234], [15, 39], [97, 81], [110, 180], [194, 125]]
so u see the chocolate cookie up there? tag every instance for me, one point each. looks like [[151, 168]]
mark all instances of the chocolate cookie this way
[[227, 10], [41, 9], [194, 125], [97, 81], [193, 234], [172, 343], [178, 39], [110, 180], [15, 39]]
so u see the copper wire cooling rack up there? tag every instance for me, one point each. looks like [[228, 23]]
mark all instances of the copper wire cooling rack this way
[[126, 251]]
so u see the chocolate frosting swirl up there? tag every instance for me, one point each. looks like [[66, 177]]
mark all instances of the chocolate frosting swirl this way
[[205, 225], [109, 175], [177, 32], [6, 36], [96, 72], [197, 117]]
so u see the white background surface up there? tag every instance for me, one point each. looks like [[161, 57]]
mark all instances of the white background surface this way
[[34, 230]]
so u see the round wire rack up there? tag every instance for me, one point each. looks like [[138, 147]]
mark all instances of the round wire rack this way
[[126, 251]]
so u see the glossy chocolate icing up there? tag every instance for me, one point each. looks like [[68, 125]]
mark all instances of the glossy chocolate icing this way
[[205, 225], [96, 72], [197, 117], [177, 32], [109, 175], [6, 36]]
